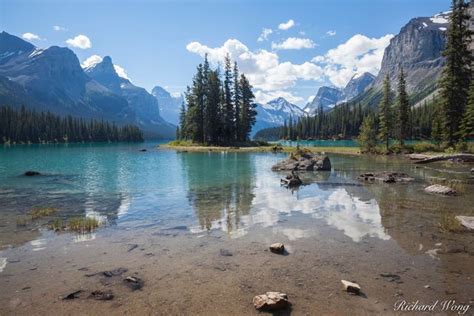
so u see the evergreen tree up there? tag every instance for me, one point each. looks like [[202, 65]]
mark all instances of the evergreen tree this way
[[385, 119], [182, 122], [402, 108], [456, 76], [437, 126], [239, 129], [213, 98], [29, 126], [229, 113], [248, 112], [467, 123], [192, 116], [367, 137]]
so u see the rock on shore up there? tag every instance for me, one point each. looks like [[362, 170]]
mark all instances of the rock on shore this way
[[271, 301], [304, 160]]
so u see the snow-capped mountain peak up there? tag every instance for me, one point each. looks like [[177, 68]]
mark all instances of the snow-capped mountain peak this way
[[275, 113]]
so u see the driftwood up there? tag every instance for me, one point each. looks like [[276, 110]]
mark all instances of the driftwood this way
[[461, 157]]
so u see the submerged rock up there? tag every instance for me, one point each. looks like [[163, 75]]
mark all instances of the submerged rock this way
[[351, 287], [277, 248], [225, 253], [115, 272], [440, 189], [304, 160], [466, 221], [102, 296], [291, 180], [271, 301], [72, 295], [133, 283], [31, 173], [386, 177]]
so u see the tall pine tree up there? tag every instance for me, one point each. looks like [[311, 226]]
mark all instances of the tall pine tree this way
[[228, 106], [248, 113], [385, 117], [456, 74], [467, 123], [237, 94], [403, 108]]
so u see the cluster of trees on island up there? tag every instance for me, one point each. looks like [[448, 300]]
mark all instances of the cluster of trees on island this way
[[30, 126], [447, 119], [218, 111]]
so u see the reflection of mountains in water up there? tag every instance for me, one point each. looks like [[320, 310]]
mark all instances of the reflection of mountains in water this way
[[249, 197]]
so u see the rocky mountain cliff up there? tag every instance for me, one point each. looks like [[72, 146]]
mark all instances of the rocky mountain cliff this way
[[328, 97], [170, 106], [52, 79], [144, 105], [418, 49]]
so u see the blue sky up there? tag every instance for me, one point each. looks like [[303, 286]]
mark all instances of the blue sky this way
[[311, 43]]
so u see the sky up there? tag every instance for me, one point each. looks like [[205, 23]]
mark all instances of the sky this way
[[286, 48]]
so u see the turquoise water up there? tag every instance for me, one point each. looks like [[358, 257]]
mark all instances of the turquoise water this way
[[126, 188]]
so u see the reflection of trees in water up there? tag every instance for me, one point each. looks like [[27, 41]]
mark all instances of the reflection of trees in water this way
[[220, 187]]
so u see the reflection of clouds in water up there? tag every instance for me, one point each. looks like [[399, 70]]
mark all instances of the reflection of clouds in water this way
[[84, 237], [38, 244], [355, 217], [292, 233], [124, 206], [3, 264]]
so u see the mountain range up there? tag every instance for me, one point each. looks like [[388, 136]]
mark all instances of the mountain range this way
[[52, 79], [328, 97], [418, 48], [170, 106], [274, 113]]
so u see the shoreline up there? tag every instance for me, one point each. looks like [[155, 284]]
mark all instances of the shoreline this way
[[260, 149]]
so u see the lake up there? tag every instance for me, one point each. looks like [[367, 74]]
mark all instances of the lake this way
[[196, 227]]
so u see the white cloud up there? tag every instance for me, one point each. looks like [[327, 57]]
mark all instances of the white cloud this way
[[263, 68], [91, 61], [30, 36], [287, 25], [294, 43], [80, 41], [264, 35], [269, 76], [95, 59], [121, 72], [359, 54], [58, 28], [330, 33], [310, 99]]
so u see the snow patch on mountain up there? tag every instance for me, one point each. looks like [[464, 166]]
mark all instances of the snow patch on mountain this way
[[275, 113], [439, 19]]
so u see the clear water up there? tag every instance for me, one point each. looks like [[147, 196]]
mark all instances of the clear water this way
[[233, 192]]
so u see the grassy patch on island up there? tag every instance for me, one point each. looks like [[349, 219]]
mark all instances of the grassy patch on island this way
[[185, 145]]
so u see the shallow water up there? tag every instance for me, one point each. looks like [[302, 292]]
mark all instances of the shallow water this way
[[180, 209]]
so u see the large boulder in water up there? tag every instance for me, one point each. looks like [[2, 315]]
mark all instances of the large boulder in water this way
[[304, 160]]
